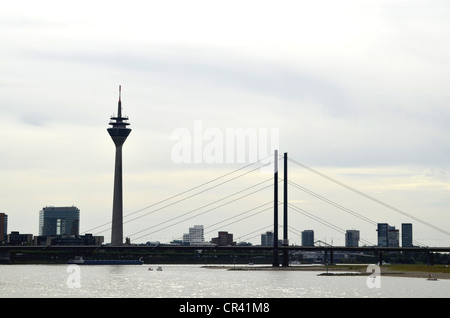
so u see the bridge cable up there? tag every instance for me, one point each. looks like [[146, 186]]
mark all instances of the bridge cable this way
[[212, 209], [258, 230], [195, 194], [187, 191], [185, 198], [323, 222], [332, 203], [241, 219], [235, 216], [370, 197]]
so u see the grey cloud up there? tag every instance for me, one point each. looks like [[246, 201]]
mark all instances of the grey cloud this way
[[220, 68]]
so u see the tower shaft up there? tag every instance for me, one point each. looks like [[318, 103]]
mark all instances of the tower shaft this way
[[119, 133], [117, 213]]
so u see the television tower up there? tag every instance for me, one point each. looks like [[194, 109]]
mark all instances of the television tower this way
[[119, 133]]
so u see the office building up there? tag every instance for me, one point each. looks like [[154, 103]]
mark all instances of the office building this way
[[393, 240], [407, 240], [383, 234], [223, 239], [267, 239], [351, 238], [60, 240], [3, 226], [195, 236], [308, 238], [15, 238], [55, 221]]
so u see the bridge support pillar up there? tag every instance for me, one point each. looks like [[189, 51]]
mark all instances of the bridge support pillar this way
[[285, 213], [275, 212], [380, 258], [331, 257], [430, 258]]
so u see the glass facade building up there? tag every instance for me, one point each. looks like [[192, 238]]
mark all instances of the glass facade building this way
[[308, 238], [352, 238], [393, 239], [383, 234], [267, 239], [59, 221], [407, 240]]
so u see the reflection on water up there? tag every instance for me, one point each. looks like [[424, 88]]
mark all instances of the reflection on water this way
[[194, 281]]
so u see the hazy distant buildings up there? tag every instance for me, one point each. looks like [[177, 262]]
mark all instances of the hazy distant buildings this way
[[352, 238], [389, 236], [267, 239], [195, 236], [15, 238], [393, 239], [223, 239], [383, 234], [74, 240], [54, 221], [308, 238], [57, 226], [3, 226], [407, 235]]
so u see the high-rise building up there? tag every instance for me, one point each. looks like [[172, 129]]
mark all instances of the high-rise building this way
[[119, 133], [407, 235], [3, 226], [308, 238], [195, 236], [267, 238], [59, 221], [393, 237], [383, 234], [352, 238]]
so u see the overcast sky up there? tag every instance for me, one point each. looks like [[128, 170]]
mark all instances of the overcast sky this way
[[357, 90]]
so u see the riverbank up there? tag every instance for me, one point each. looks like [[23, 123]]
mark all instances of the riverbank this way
[[418, 271], [422, 271]]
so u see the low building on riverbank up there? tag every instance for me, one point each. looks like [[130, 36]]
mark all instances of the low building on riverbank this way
[[78, 240]]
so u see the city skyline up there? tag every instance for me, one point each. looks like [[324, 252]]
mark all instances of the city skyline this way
[[63, 222], [357, 91]]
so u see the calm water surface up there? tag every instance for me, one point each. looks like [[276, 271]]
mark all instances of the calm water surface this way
[[194, 281]]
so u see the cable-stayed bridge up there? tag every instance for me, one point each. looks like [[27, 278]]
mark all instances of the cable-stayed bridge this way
[[221, 193], [226, 192]]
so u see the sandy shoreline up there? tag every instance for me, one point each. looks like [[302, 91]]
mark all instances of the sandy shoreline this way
[[345, 270]]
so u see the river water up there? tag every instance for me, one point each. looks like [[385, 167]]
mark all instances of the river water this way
[[194, 281]]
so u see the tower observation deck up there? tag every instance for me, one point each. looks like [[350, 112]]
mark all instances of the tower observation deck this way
[[119, 133]]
